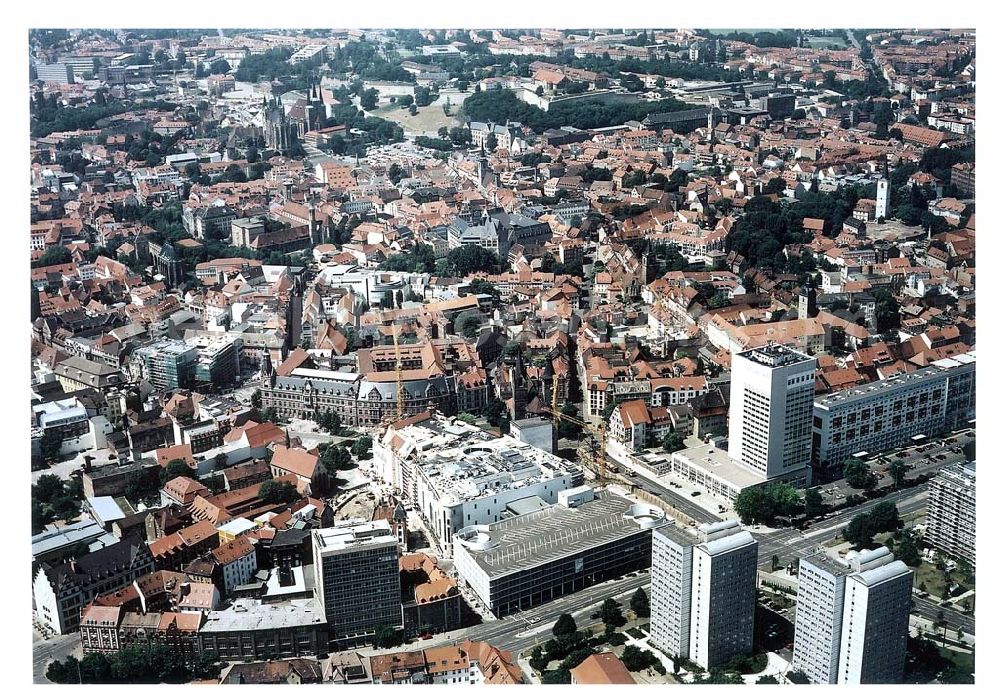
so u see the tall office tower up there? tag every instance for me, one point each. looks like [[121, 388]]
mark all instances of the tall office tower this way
[[704, 592], [770, 418], [877, 600], [818, 617], [852, 618], [356, 566], [882, 199], [951, 512]]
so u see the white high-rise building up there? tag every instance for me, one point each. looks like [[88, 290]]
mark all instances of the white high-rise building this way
[[704, 592], [882, 199], [852, 618], [877, 601], [951, 512], [818, 617], [670, 589], [770, 417]]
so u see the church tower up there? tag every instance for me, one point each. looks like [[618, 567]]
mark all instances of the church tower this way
[[882, 198], [807, 303], [314, 238]]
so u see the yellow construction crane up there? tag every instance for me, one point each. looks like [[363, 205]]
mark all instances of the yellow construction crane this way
[[400, 408], [597, 463]]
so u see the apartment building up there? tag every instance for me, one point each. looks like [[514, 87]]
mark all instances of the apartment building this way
[[61, 590], [818, 617], [670, 589], [876, 619], [885, 414], [238, 559], [951, 512], [638, 426], [704, 591]]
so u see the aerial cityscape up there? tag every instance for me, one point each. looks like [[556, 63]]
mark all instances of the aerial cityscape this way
[[503, 356]]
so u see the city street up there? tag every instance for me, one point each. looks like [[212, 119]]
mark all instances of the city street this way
[[44, 651], [693, 510], [956, 619], [524, 630]]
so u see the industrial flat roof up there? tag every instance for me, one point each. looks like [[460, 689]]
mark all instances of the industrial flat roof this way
[[678, 535], [557, 532], [106, 509], [775, 356], [527, 505], [884, 573], [462, 463], [718, 463], [352, 534], [731, 542], [251, 614], [78, 532]]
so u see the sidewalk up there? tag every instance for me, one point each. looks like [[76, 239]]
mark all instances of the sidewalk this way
[[668, 664], [529, 673], [776, 667], [927, 625]]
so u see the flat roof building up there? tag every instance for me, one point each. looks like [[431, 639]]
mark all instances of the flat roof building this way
[[852, 618], [818, 617], [527, 560], [711, 468], [50, 543], [877, 601], [772, 394], [458, 475], [168, 364], [251, 630]]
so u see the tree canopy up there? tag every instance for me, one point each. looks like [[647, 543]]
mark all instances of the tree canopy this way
[[639, 603], [564, 625], [473, 258], [761, 504], [277, 492], [858, 475], [501, 105], [176, 468]]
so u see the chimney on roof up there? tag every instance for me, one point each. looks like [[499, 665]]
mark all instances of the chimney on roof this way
[[87, 460]]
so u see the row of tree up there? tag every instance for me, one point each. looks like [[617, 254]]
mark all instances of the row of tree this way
[[135, 664]]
